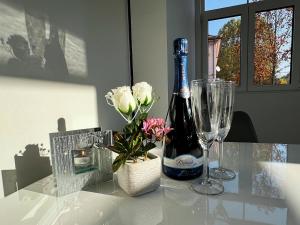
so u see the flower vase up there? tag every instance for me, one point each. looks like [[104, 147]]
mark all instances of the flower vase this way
[[137, 178]]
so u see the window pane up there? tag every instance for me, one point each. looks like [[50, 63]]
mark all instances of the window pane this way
[[218, 4], [224, 48], [273, 45]]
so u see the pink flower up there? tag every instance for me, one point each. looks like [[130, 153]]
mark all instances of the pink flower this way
[[155, 128]]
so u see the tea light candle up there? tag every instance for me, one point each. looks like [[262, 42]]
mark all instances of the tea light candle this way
[[82, 158]]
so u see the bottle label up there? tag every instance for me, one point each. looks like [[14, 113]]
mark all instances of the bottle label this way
[[183, 162], [181, 73]]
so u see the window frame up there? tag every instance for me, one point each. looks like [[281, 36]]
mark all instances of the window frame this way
[[247, 13]]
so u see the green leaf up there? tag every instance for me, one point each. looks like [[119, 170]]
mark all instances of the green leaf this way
[[112, 148], [128, 128], [119, 161], [134, 141], [131, 128], [138, 153], [148, 146], [121, 141], [143, 116], [118, 137], [137, 145], [121, 147]]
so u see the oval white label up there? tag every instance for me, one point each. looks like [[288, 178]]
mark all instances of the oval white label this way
[[183, 162]]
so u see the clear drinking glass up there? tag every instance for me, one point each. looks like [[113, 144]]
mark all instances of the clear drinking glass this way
[[224, 127], [206, 97]]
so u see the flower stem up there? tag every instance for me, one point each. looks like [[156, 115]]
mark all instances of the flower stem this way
[[146, 156]]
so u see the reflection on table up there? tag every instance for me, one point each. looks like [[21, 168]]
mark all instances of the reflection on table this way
[[260, 194]]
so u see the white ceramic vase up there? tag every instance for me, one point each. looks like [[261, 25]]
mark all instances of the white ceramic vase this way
[[140, 177]]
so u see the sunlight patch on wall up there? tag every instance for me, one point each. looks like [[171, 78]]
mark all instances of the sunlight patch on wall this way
[[11, 20], [75, 54], [30, 110]]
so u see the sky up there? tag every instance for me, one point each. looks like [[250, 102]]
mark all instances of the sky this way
[[216, 4], [215, 25]]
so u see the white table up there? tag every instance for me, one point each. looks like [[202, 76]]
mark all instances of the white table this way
[[265, 191]]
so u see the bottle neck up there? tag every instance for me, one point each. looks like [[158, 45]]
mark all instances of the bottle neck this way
[[181, 84]]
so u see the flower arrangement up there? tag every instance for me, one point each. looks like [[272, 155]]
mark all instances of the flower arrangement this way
[[141, 133]]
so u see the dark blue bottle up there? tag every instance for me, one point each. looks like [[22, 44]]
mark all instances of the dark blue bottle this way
[[182, 154]]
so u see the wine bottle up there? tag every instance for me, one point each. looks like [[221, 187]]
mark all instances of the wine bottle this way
[[182, 158]]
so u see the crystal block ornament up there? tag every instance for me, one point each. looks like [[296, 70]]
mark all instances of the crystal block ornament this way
[[80, 158]]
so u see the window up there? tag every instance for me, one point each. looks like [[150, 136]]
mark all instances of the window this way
[[251, 42], [273, 47]]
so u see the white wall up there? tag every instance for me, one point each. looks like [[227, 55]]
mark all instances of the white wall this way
[[32, 103], [149, 47], [155, 25], [275, 114], [181, 23]]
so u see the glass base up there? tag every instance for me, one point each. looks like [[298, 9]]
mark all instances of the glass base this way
[[208, 187], [222, 173]]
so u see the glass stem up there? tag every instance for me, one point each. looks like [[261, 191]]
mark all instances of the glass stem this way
[[205, 165], [220, 154]]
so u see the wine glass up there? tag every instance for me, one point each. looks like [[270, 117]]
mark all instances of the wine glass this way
[[224, 127], [206, 96]]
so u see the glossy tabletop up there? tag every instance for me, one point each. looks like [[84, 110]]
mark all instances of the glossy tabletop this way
[[265, 191]]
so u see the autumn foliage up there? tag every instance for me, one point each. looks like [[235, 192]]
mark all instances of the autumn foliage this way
[[229, 56], [272, 48]]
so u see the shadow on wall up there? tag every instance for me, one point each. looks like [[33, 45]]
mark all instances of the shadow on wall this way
[[74, 42], [31, 165], [34, 43], [9, 179]]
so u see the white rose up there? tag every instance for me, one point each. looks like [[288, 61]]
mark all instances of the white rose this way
[[142, 91], [123, 100]]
